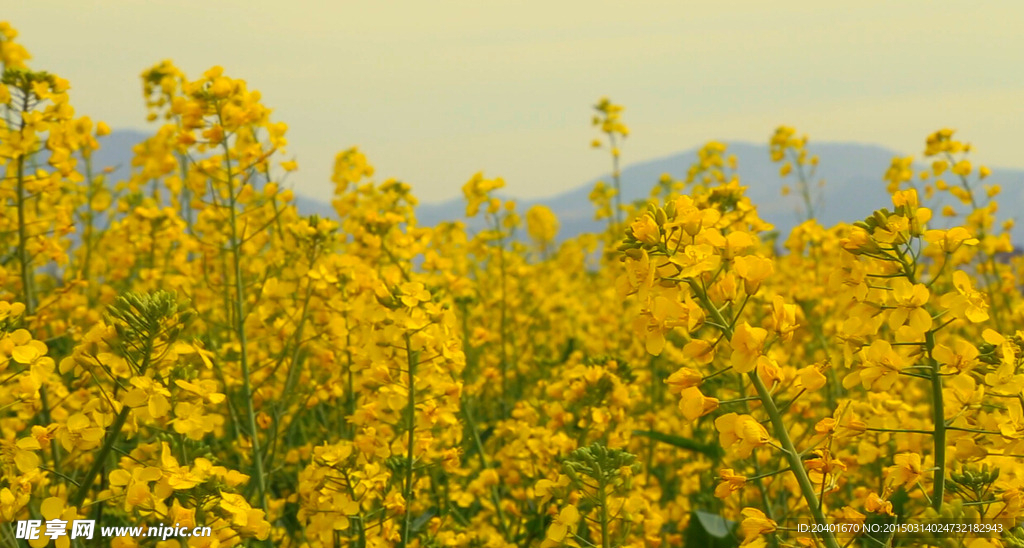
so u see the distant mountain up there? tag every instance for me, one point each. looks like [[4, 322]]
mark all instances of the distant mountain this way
[[116, 152], [852, 173]]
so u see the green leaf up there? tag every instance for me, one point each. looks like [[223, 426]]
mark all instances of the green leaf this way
[[714, 524], [710, 530], [422, 520]]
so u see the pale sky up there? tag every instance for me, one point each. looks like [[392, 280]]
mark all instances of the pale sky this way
[[436, 90]]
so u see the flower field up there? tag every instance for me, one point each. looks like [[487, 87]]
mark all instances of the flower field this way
[[182, 347]]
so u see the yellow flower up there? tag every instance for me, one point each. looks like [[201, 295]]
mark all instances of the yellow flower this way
[[638, 278], [753, 270], [736, 243], [695, 404], [541, 224], [477, 191], [564, 524], [664, 315], [683, 378], [910, 300], [950, 240], [740, 433], [1011, 423], [968, 450], [729, 483], [544, 487], [906, 471], [22, 453], [413, 293], [148, 398], [811, 377], [179, 514], [344, 507], [877, 505], [965, 302], [881, 366], [747, 342], [192, 420], [961, 357], [768, 371], [79, 433], [696, 259], [962, 168], [645, 229], [55, 508], [755, 523], [700, 351], [784, 318], [859, 242], [205, 389]]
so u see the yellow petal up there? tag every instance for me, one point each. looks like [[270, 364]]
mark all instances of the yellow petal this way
[[52, 508]]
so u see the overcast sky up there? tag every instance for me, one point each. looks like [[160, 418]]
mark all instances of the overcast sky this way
[[435, 90]]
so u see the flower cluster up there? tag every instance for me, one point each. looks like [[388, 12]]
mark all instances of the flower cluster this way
[[181, 346]]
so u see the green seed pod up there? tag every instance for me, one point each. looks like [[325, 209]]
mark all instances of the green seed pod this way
[[660, 217], [880, 218], [670, 210]]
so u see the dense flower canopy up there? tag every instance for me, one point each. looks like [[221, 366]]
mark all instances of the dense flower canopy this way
[[182, 346]]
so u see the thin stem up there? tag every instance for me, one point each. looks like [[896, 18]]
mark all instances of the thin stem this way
[[23, 258], [239, 305], [410, 416], [901, 431], [938, 407], [503, 313], [602, 495], [617, 179], [483, 462], [796, 465], [652, 388], [115, 432]]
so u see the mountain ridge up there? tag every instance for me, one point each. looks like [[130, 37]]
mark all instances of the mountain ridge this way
[[853, 175]]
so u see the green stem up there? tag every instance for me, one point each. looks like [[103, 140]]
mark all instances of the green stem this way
[[796, 465], [652, 388], [603, 498], [410, 416], [97, 465], [792, 456], [350, 402], [185, 200], [87, 239], [804, 184], [115, 432], [485, 465], [939, 419], [23, 258], [503, 313], [239, 305], [27, 281], [617, 179], [938, 407]]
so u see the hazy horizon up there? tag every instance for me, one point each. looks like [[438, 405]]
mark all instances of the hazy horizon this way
[[435, 92]]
